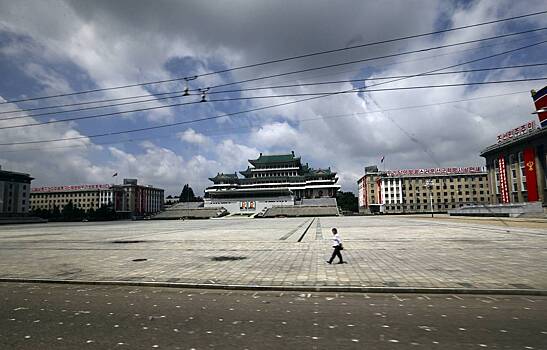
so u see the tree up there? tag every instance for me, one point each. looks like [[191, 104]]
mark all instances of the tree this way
[[102, 214], [347, 201], [71, 212], [187, 194]]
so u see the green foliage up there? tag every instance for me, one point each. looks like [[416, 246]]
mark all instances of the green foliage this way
[[187, 195], [70, 212], [347, 201]]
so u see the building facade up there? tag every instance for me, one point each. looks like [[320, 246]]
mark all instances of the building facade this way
[[517, 163], [421, 190], [14, 192], [517, 166], [82, 196], [129, 197], [271, 180]]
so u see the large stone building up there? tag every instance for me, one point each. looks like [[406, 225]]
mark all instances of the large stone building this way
[[129, 198], [517, 163], [421, 190], [271, 180], [517, 166], [14, 192]]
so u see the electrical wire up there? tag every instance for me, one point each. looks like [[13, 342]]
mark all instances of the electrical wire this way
[[223, 131], [304, 70], [317, 53], [264, 107], [334, 65], [324, 93], [179, 94]]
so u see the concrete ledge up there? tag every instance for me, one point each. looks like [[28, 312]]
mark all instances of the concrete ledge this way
[[345, 289], [531, 209]]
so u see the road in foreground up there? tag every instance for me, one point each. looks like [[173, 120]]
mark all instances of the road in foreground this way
[[57, 316]]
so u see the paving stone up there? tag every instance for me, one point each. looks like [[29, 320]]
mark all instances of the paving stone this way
[[381, 251]]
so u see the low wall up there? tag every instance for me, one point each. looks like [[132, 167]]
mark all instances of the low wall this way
[[195, 213], [296, 211], [21, 220], [534, 209]]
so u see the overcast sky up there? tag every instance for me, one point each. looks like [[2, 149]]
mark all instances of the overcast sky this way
[[55, 47]]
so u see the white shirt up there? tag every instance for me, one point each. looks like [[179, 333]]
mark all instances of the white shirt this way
[[336, 240]]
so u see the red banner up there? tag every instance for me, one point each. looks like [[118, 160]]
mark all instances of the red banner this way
[[530, 171], [379, 188], [503, 180]]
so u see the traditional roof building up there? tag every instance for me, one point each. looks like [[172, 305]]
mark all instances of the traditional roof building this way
[[271, 180]]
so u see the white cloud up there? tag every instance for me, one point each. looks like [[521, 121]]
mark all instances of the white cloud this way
[[114, 46], [193, 137]]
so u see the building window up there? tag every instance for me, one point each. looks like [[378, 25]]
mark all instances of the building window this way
[[522, 172]]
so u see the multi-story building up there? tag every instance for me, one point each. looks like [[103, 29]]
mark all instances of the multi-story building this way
[[516, 168], [421, 190], [272, 180], [134, 198], [14, 192], [82, 196], [129, 198], [517, 163]]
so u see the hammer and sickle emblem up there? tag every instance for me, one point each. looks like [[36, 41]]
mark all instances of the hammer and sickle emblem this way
[[530, 166]]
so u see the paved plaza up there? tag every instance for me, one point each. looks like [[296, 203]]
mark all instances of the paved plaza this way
[[387, 251]]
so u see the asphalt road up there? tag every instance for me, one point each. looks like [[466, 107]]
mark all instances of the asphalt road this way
[[57, 316]]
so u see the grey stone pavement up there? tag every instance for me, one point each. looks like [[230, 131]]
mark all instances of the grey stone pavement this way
[[387, 251]]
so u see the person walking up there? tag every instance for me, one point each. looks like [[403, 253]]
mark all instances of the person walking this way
[[337, 245]]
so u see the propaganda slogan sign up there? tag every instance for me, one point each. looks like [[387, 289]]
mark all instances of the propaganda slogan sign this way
[[519, 130], [436, 171], [503, 180], [71, 188]]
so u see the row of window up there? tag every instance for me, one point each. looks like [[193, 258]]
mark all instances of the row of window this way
[[10, 186], [63, 201], [422, 207], [82, 205], [293, 173], [517, 170], [417, 188], [65, 195]]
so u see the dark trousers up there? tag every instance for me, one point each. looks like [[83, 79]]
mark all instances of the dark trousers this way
[[337, 253]]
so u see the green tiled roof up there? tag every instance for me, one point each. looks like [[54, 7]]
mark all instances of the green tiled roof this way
[[222, 176], [274, 158]]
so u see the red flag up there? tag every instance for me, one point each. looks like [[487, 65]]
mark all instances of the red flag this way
[[540, 101]]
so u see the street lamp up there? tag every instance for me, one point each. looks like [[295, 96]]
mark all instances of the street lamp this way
[[429, 186]]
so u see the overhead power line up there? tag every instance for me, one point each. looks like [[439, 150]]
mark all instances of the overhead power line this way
[[302, 70], [317, 53], [264, 107], [177, 94], [280, 96], [334, 65], [345, 115]]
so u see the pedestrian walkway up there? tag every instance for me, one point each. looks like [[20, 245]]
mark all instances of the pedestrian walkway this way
[[389, 251]]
